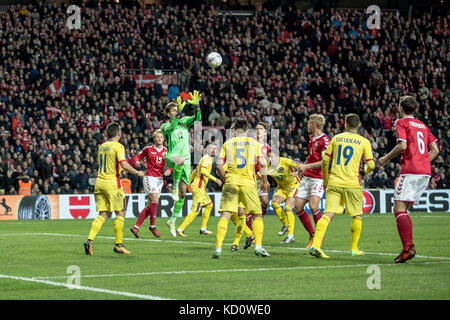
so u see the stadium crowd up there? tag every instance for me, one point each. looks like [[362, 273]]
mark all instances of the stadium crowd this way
[[277, 68]]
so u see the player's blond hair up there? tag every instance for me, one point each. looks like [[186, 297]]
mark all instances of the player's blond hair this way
[[318, 119], [158, 131]]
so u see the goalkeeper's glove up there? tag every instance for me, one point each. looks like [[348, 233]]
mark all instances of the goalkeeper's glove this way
[[180, 104], [195, 98]]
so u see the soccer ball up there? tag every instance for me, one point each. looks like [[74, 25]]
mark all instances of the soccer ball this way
[[214, 59]]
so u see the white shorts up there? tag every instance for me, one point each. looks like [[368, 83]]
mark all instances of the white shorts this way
[[410, 187], [310, 187], [153, 185], [260, 192]]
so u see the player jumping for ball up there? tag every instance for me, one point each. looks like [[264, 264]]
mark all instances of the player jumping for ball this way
[[178, 157]]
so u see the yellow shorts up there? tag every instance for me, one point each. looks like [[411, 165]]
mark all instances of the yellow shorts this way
[[337, 197], [234, 197], [109, 199], [199, 199], [288, 192]]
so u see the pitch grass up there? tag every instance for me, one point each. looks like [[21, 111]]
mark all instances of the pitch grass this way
[[182, 268]]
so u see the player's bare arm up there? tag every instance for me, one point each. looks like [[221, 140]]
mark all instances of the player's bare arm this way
[[434, 151], [398, 150], [126, 166]]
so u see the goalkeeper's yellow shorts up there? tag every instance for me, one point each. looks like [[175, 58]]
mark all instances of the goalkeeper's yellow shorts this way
[[336, 198]]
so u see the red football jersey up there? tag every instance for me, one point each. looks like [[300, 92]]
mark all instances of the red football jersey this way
[[155, 160], [315, 147], [415, 159]]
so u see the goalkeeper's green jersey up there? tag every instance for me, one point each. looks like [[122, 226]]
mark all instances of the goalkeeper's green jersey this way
[[176, 134]]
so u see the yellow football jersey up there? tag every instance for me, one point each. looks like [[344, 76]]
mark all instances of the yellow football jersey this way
[[197, 178], [109, 156], [240, 155], [283, 172], [345, 152]]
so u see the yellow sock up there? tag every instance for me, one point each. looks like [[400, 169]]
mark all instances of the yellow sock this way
[[321, 228], [221, 232], [118, 228], [95, 227], [355, 229], [247, 231], [237, 220], [258, 230], [188, 220], [206, 214], [280, 213], [290, 219]]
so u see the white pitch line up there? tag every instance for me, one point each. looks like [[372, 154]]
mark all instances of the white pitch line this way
[[84, 288], [206, 243], [237, 270]]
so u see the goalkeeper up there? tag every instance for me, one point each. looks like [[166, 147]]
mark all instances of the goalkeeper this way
[[178, 157]]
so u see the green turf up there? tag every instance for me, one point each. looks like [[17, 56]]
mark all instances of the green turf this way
[[175, 268]]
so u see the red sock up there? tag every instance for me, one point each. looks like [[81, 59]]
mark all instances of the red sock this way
[[316, 216], [152, 212], [306, 221], [405, 229], [264, 211], [248, 220], [142, 216]]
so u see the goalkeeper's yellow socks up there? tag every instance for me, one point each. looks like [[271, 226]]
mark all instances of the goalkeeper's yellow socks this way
[[258, 231], [321, 228], [176, 210], [206, 214], [279, 212], [355, 230], [221, 233], [290, 220], [118, 228], [95, 227]]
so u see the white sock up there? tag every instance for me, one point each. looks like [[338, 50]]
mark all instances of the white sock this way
[[202, 229], [258, 247], [290, 236], [136, 226], [218, 249]]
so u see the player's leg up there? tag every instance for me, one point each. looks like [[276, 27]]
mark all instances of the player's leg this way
[[207, 203], [117, 198], [196, 207], [314, 202], [288, 205], [153, 210], [250, 200], [146, 211], [354, 200], [221, 232], [304, 218], [333, 205], [119, 222], [229, 204], [278, 199], [407, 190], [316, 191], [103, 207], [178, 163], [264, 199], [182, 188]]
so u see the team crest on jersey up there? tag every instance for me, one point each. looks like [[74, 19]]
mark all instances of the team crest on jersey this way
[[316, 144], [281, 169]]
